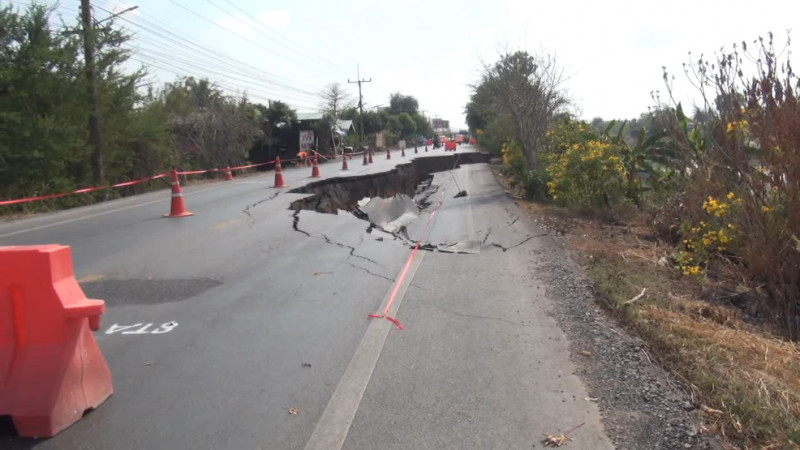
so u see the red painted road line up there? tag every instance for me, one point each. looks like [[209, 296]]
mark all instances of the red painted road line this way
[[402, 276]]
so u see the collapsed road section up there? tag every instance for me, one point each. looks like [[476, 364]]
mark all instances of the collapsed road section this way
[[390, 200], [345, 193]]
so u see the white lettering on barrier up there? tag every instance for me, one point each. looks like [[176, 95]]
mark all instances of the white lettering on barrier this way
[[141, 328]]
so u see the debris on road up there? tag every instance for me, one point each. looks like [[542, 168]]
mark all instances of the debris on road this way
[[294, 411], [557, 440]]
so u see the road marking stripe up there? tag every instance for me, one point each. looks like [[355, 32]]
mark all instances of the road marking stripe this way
[[222, 225], [331, 430], [91, 278]]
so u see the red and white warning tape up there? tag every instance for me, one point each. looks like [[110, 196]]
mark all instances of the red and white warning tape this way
[[127, 183]]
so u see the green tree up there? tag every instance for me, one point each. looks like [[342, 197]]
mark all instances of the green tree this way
[[399, 103], [424, 127], [42, 120], [408, 127]]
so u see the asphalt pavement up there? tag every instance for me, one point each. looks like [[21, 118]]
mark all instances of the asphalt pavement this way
[[246, 325]]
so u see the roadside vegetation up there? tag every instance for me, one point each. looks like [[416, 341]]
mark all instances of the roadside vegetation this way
[[688, 223], [146, 129]]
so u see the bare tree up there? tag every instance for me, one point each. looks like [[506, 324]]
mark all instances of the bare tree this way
[[528, 90], [335, 99], [209, 129]]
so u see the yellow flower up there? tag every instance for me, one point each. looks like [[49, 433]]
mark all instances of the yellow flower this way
[[766, 209], [731, 195]]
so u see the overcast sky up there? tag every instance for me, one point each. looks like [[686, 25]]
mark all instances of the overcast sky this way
[[611, 51]]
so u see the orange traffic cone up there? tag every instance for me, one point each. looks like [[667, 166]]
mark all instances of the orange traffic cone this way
[[344, 162], [228, 174], [178, 206], [278, 174], [314, 168]]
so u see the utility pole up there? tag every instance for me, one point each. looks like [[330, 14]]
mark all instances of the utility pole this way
[[91, 89], [360, 102]]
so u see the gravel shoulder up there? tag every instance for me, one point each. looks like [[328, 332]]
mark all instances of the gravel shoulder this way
[[642, 404]]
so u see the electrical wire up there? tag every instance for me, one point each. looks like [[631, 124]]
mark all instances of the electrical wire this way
[[155, 45], [286, 41]]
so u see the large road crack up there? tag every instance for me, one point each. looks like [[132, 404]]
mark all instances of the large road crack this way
[[370, 272], [247, 209], [328, 240], [486, 238], [350, 247]]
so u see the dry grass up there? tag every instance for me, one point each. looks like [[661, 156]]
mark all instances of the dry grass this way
[[745, 378], [749, 376]]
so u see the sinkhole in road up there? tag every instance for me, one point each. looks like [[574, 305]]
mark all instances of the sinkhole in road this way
[[388, 200]]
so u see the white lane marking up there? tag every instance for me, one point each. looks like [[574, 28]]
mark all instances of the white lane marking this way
[[331, 430], [141, 328], [103, 213]]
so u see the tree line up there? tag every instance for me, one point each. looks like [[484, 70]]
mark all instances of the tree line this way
[[720, 183], [189, 123]]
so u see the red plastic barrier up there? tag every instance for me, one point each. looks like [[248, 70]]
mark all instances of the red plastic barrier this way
[[51, 369], [450, 145]]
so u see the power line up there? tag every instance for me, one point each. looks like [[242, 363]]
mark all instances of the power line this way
[[232, 32], [153, 27], [286, 40], [159, 47]]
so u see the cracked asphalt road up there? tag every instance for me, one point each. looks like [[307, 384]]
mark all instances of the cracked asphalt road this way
[[282, 324]]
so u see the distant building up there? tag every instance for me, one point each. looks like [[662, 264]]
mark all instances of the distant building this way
[[440, 126]]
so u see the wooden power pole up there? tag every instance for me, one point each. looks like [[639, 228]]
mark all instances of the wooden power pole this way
[[91, 81]]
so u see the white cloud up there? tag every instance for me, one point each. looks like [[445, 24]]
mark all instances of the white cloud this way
[[238, 25], [279, 20]]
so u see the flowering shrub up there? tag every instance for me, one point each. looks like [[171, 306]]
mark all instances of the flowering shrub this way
[[750, 136], [532, 181], [714, 235], [583, 166], [514, 158]]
